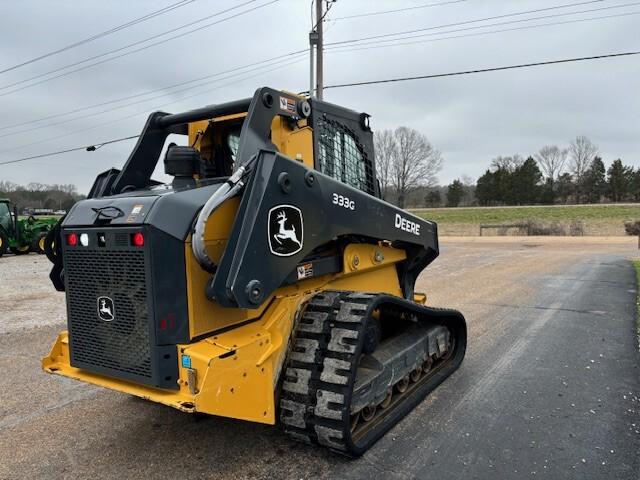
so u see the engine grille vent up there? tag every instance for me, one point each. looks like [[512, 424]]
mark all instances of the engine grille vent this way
[[121, 345]]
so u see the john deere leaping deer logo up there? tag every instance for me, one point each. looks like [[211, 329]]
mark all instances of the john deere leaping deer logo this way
[[285, 230], [106, 309]]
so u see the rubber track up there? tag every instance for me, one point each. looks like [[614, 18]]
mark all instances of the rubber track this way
[[320, 371], [314, 406]]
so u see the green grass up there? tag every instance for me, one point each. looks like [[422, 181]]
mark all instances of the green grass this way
[[543, 213], [636, 264], [597, 219]]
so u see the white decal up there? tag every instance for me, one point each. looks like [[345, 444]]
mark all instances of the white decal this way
[[407, 225], [284, 233], [285, 230], [343, 201], [106, 309]]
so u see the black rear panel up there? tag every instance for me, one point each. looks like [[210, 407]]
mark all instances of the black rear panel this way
[[121, 345], [112, 304]]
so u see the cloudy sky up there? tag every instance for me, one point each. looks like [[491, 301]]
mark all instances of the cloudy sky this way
[[470, 118]]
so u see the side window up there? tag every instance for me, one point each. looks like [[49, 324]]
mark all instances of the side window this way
[[342, 157]]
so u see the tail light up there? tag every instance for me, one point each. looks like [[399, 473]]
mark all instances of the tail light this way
[[137, 239], [72, 239]]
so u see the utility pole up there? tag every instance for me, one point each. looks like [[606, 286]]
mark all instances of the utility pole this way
[[319, 48], [313, 41]]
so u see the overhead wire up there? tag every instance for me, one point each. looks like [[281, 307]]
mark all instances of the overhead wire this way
[[291, 53], [466, 22], [149, 92], [361, 46], [157, 107], [483, 70], [123, 54], [102, 34], [393, 80], [167, 91], [398, 43], [68, 150], [397, 10]]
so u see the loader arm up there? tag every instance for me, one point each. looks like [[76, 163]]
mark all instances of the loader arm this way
[[250, 271]]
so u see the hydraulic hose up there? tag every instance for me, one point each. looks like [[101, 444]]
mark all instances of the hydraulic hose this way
[[230, 188]]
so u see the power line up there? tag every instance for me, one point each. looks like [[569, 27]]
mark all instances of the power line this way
[[245, 69], [371, 14], [265, 63], [361, 46], [509, 22], [483, 70], [99, 145], [372, 82], [75, 149], [157, 107], [477, 20], [130, 45], [397, 43], [105, 33], [149, 92]]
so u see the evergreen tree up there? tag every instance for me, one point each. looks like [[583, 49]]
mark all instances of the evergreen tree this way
[[548, 192], [486, 189], [564, 187], [594, 181], [525, 184], [433, 199], [619, 179], [455, 192], [503, 185]]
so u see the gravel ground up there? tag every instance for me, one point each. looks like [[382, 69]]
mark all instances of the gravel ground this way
[[549, 386]]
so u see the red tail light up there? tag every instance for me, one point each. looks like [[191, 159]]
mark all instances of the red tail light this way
[[72, 239], [137, 239]]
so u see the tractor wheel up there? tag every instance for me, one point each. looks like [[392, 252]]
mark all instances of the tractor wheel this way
[[4, 243], [21, 250], [38, 244]]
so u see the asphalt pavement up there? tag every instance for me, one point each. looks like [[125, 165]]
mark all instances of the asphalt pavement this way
[[550, 386]]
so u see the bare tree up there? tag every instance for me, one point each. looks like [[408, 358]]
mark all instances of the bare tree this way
[[7, 186], [582, 152], [37, 187], [507, 163], [386, 151], [551, 160], [416, 163]]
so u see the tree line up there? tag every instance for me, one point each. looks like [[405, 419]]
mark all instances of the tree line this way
[[40, 195], [408, 165]]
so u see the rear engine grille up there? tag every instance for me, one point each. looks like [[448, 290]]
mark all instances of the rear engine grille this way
[[120, 346]]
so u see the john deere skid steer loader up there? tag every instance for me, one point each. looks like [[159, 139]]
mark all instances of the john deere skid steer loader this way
[[267, 282]]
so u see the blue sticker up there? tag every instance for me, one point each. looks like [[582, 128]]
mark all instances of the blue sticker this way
[[186, 361]]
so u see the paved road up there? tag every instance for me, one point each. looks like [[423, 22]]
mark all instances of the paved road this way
[[550, 386]]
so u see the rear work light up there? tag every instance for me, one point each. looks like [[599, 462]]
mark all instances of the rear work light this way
[[84, 239], [137, 239], [72, 239]]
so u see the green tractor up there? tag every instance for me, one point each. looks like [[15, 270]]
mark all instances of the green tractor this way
[[22, 236]]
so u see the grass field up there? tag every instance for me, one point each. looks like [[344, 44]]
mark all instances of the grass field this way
[[597, 219]]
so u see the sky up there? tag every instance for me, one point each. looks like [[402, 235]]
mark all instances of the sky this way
[[470, 119]]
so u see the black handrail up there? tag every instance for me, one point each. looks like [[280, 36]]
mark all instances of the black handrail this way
[[204, 113]]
